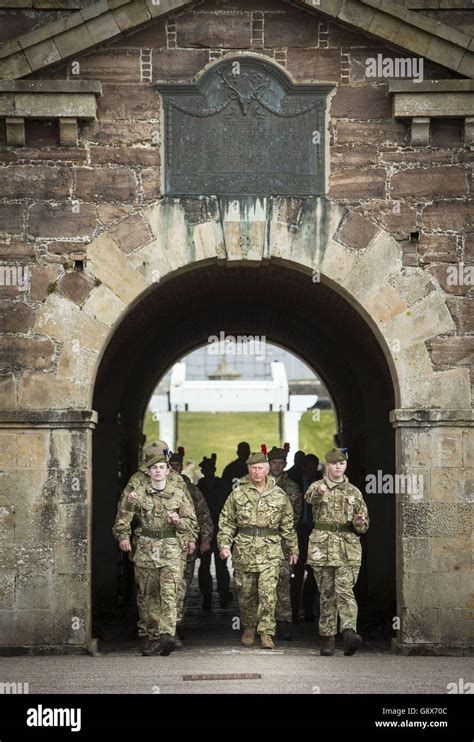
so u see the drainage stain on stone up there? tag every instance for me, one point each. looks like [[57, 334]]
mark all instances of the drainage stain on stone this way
[[226, 676]]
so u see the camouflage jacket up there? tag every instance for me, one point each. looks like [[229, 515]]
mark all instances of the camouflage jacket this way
[[150, 509], [206, 526], [339, 504], [246, 507], [296, 498], [142, 479]]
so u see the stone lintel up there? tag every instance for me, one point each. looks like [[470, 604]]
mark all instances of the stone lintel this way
[[431, 86], [431, 418], [435, 105], [73, 419], [51, 86], [49, 105], [15, 131]]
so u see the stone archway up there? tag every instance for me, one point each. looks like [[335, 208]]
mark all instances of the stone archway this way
[[334, 251]]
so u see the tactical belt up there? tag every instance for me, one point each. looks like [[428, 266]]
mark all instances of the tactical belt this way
[[334, 527], [254, 531], [158, 533]]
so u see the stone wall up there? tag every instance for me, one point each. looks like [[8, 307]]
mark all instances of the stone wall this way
[[90, 224]]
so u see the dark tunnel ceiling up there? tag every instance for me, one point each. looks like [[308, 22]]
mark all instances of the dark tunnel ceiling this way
[[310, 319]]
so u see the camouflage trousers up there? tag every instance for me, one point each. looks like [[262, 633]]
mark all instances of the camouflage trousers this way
[[283, 602], [257, 592], [157, 589], [184, 585], [336, 598]]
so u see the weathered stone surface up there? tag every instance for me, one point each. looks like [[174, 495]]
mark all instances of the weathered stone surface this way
[[395, 216], [353, 156], [427, 448], [129, 102], [451, 484], [33, 353], [8, 393], [368, 102], [432, 182], [175, 64], [46, 391], [58, 220], [112, 66], [11, 218], [315, 64], [122, 133], [355, 184], [357, 232], [37, 181], [75, 286], [109, 265], [216, 32], [451, 351], [130, 233], [16, 317], [383, 133], [43, 280], [436, 519], [462, 311], [438, 248], [449, 215], [129, 156], [291, 30], [106, 185], [108, 214], [61, 319], [104, 306], [153, 35]]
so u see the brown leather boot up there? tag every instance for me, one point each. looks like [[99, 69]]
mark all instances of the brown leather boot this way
[[328, 646], [266, 641], [352, 642], [248, 637]]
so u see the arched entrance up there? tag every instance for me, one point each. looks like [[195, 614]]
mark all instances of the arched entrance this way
[[280, 301]]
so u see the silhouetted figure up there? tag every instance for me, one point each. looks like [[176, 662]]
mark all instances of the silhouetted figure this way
[[296, 473], [215, 491], [238, 468], [310, 474]]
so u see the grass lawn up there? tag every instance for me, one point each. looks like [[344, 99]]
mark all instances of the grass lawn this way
[[202, 433]]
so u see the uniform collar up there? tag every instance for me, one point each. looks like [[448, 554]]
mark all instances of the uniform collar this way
[[332, 485]]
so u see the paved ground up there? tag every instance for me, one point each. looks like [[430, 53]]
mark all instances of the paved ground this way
[[212, 647]]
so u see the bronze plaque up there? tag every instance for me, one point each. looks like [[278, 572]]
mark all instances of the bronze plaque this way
[[244, 128]]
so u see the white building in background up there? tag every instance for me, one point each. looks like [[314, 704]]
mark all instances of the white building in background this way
[[231, 395]]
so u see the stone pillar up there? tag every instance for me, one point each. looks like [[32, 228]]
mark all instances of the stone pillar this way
[[434, 531], [45, 509]]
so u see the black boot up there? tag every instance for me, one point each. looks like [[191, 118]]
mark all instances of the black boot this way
[[283, 630], [178, 644], [328, 646], [165, 645], [352, 642], [148, 646]]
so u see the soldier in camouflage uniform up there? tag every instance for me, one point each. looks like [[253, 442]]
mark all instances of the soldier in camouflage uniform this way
[[255, 519], [206, 532], [141, 477], [164, 523], [334, 551], [277, 461]]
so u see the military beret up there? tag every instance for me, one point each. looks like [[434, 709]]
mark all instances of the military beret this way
[[157, 457], [154, 447], [279, 453], [259, 457], [335, 455]]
